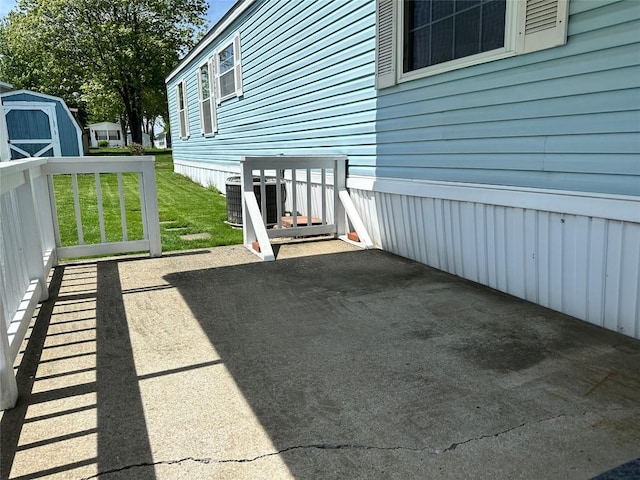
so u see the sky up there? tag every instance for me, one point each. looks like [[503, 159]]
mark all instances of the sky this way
[[217, 8]]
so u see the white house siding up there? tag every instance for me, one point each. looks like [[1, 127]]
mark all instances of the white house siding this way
[[308, 89], [564, 119]]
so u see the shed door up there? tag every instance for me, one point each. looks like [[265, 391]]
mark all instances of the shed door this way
[[32, 130]]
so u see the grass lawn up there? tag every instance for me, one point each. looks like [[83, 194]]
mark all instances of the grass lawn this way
[[185, 207]]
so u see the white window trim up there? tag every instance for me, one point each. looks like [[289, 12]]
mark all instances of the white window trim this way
[[237, 66], [212, 99], [186, 110], [516, 41]]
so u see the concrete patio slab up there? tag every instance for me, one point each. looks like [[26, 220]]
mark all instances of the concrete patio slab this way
[[329, 363]]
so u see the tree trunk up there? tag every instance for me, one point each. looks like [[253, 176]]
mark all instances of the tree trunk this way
[[123, 127], [133, 107], [135, 125]]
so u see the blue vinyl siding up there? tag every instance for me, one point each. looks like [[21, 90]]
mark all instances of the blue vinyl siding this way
[[67, 127], [307, 80], [564, 118]]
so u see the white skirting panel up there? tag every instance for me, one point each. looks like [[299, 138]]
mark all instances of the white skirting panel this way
[[207, 174], [585, 266]]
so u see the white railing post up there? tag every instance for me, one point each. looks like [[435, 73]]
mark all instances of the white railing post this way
[[42, 200], [8, 384], [32, 235], [248, 232], [339, 185], [149, 203], [254, 229]]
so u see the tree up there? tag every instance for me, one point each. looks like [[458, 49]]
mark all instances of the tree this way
[[126, 47]]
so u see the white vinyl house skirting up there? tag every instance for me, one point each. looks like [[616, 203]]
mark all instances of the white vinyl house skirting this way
[[207, 174]]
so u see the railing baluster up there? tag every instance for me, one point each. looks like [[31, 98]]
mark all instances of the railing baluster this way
[[143, 207], [279, 212], [123, 211], [323, 193], [103, 234], [76, 206], [309, 222], [294, 200], [263, 197]]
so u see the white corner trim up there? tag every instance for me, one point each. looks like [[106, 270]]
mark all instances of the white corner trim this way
[[615, 207], [211, 36]]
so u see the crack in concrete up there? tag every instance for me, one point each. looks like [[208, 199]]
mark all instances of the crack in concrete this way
[[150, 464], [329, 446], [206, 460], [455, 445]]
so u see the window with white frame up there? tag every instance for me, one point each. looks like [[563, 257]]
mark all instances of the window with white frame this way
[[183, 113], [228, 65], [207, 106], [418, 38], [107, 135]]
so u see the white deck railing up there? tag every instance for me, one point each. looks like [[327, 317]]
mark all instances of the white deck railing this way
[[313, 188], [30, 237]]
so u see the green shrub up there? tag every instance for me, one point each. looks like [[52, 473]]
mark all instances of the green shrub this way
[[137, 149], [103, 143]]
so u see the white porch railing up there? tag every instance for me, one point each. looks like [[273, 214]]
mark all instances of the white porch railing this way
[[30, 238], [317, 205]]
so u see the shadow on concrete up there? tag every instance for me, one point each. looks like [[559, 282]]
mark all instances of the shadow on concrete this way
[[14, 419], [120, 430], [392, 365]]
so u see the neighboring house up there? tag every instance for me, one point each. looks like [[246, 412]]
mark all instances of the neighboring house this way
[[39, 125], [160, 140], [496, 140], [112, 133], [109, 131]]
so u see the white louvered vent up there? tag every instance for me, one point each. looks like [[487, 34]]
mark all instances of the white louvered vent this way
[[541, 15], [385, 44]]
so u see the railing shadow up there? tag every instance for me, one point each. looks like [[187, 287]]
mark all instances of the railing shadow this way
[[14, 419], [116, 437]]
